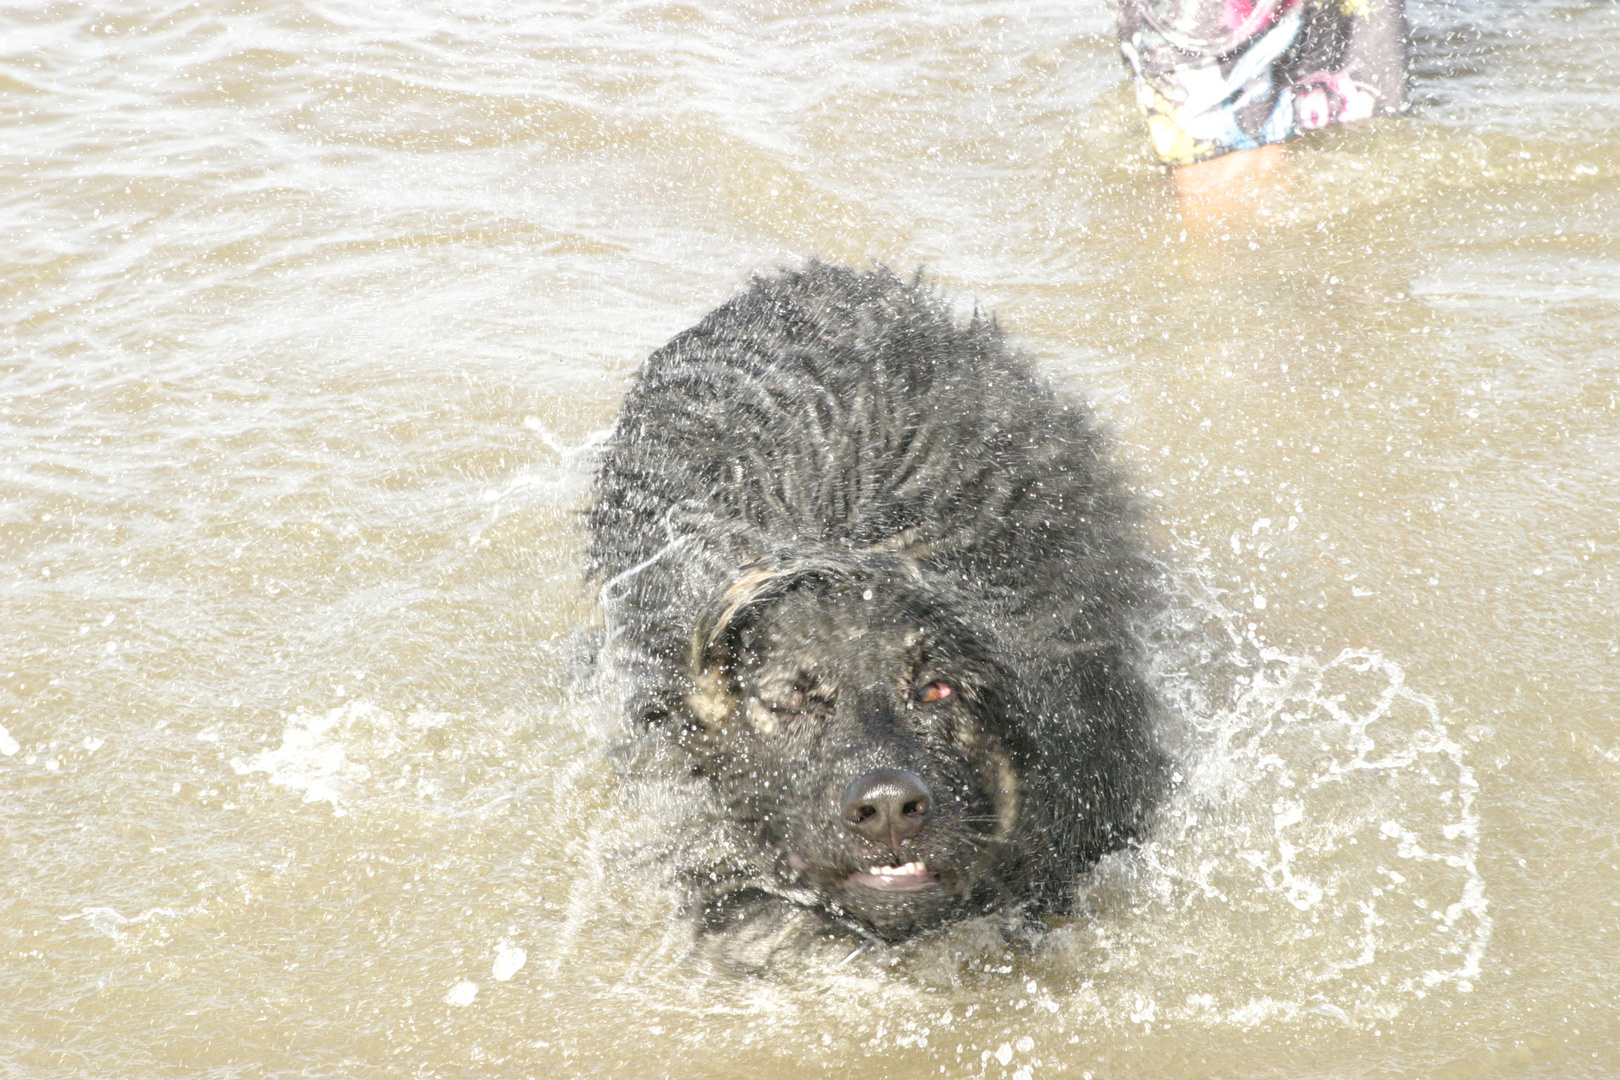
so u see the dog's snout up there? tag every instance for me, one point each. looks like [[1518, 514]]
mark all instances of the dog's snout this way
[[887, 805]]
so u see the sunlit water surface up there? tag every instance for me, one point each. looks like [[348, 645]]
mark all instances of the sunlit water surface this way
[[313, 313]]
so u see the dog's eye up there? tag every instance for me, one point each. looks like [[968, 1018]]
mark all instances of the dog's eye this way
[[935, 691], [781, 704], [794, 703]]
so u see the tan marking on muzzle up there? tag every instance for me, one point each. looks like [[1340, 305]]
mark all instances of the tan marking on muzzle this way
[[710, 701], [1007, 794]]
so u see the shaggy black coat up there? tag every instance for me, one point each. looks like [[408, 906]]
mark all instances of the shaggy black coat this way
[[832, 434]]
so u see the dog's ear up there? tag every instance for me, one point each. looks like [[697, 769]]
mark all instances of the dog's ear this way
[[712, 659], [713, 655]]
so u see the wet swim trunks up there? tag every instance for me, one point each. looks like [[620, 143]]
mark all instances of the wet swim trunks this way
[[1213, 76]]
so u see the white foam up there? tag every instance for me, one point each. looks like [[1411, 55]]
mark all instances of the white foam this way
[[8, 745], [462, 994], [313, 758], [509, 960]]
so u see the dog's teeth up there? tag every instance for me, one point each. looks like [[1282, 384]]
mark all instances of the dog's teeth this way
[[910, 869]]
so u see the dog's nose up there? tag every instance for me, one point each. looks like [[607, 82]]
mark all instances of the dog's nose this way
[[887, 805]]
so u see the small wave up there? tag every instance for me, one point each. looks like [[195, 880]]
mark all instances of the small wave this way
[[110, 923]]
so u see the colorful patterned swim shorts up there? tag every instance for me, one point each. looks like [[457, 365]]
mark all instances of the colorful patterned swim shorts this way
[[1213, 76]]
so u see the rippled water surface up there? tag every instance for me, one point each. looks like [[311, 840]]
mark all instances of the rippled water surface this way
[[313, 312]]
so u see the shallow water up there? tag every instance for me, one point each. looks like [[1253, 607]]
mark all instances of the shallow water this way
[[312, 315]]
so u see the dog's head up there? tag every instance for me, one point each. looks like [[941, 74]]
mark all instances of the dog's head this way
[[850, 717]]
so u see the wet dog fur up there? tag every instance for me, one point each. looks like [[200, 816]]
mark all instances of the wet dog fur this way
[[876, 589]]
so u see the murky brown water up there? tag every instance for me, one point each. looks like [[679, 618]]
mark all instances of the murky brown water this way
[[311, 312]]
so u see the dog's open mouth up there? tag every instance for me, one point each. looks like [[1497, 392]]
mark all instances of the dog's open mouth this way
[[906, 878]]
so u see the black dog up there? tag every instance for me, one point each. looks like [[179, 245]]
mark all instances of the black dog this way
[[876, 584]]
